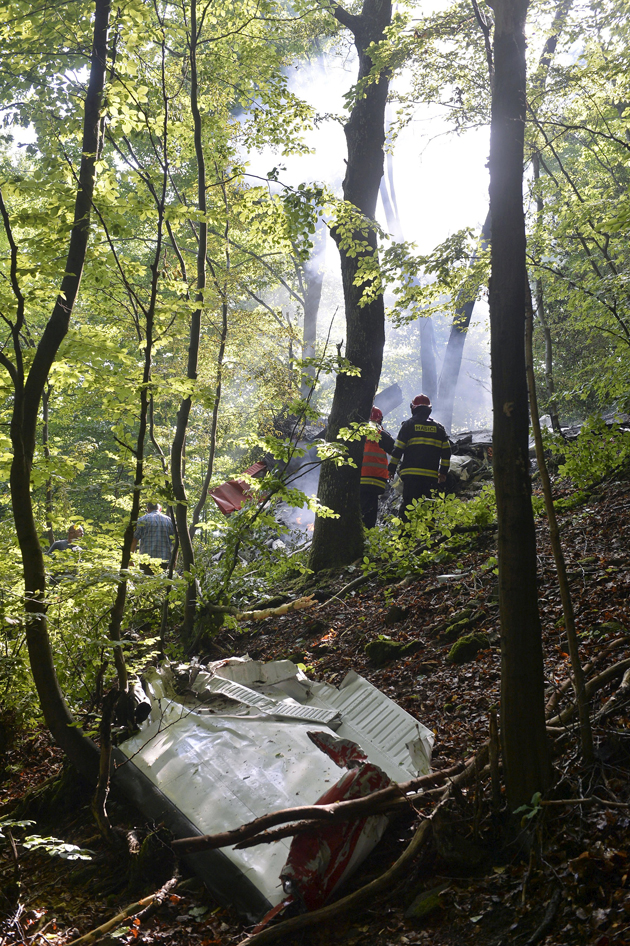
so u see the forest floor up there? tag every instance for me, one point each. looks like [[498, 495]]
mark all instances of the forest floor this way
[[563, 880]]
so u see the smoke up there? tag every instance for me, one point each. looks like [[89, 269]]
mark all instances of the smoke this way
[[305, 478], [441, 183]]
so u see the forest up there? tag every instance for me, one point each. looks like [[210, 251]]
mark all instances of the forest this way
[[226, 228]]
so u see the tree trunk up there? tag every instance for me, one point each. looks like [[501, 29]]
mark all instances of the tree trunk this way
[[28, 391], [525, 752], [338, 541], [312, 282], [452, 363], [177, 451], [579, 683], [50, 532], [540, 311], [427, 360]]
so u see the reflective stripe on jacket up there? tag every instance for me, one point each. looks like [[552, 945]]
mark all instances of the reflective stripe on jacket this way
[[374, 467], [424, 448]]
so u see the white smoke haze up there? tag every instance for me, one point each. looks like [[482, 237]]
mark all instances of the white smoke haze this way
[[441, 184]]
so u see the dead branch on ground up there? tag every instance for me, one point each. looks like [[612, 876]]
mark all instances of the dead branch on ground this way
[[297, 605], [350, 902], [337, 811], [138, 909], [592, 686]]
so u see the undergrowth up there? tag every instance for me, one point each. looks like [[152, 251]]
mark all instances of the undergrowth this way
[[433, 533]]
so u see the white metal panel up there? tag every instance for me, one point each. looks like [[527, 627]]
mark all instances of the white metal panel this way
[[222, 771]]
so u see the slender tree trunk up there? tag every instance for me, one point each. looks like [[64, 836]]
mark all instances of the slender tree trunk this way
[[428, 366], [46, 445], [427, 360], [579, 683], [452, 363], [540, 310], [215, 418], [312, 280], [552, 404], [146, 402], [525, 752], [339, 541], [118, 607], [183, 414], [28, 390]]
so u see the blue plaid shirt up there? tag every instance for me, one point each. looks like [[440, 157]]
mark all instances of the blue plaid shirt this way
[[153, 533]]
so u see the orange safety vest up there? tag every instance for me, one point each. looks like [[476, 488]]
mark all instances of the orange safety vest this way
[[374, 469]]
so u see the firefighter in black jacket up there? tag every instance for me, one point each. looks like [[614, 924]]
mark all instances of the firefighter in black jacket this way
[[423, 445]]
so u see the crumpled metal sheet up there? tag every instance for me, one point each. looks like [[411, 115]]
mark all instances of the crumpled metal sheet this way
[[222, 763]]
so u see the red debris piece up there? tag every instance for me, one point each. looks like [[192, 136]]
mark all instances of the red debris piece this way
[[319, 861], [231, 495]]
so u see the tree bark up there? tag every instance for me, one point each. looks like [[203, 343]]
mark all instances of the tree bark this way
[[579, 684], [312, 280], [223, 335], [540, 312], [28, 390], [452, 363], [177, 451], [50, 532], [340, 541], [524, 741], [427, 360]]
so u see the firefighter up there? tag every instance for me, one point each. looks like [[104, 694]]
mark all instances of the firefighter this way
[[421, 454], [374, 473]]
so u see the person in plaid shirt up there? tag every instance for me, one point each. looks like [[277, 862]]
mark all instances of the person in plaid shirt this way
[[153, 535]]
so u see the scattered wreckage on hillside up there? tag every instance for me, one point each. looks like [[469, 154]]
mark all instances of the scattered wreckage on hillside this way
[[471, 464], [238, 739]]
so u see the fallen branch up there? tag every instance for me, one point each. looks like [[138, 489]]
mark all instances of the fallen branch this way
[[418, 799], [617, 699], [390, 876], [617, 670], [131, 910], [337, 811], [303, 827], [350, 902], [588, 800], [566, 685], [159, 898], [549, 917], [142, 909], [297, 605]]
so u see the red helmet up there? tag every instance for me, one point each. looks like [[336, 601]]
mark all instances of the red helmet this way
[[420, 401], [376, 415]]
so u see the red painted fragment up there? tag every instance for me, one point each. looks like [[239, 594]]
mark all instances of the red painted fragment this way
[[230, 496], [319, 861]]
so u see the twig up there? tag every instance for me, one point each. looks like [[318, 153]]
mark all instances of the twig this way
[[616, 700], [554, 699], [350, 902], [549, 917], [592, 686], [353, 808], [132, 909], [159, 898]]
